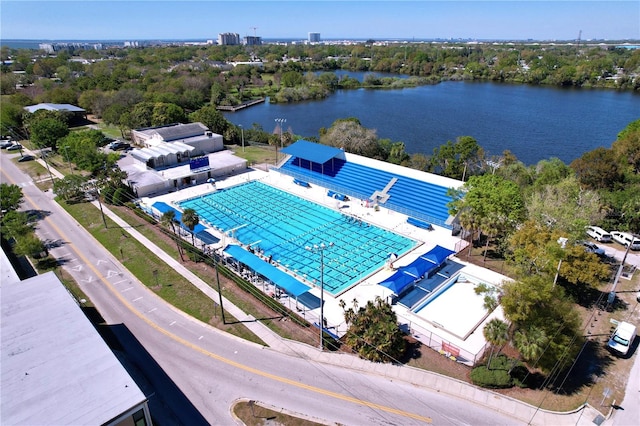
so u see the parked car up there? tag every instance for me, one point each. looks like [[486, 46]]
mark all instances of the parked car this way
[[622, 338], [14, 147], [5, 143], [626, 239], [598, 234], [592, 248], [26, 158], [118, 145]]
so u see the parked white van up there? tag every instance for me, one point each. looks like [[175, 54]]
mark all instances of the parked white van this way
[[622, 338], [626, 239], [598, 234]]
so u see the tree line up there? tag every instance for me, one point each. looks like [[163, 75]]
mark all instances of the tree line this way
[[520, 210]]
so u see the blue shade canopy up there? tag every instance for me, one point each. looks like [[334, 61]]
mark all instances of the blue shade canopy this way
[[164, 207], [275, 275], [437, 255], [414, 271], [398, 281], [314, 152]]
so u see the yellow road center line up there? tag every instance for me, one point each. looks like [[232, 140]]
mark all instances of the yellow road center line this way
[[228, 361]]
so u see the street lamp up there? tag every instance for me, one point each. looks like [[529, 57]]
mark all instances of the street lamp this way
[[563, 243], [242, 131], [280, 122], [320, 249]]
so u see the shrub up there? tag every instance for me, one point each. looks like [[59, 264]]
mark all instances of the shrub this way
[[495, 379], [505, 372]]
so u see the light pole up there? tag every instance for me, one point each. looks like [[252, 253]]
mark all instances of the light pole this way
[[280, 122], [242, 131], [563, 243], [320, 249]]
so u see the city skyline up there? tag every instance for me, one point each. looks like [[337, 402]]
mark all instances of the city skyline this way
[[205, 19]]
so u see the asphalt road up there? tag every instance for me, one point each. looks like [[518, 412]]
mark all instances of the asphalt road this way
[[201, 371]]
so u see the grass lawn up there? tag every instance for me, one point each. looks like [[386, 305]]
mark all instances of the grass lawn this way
[[153, 272]]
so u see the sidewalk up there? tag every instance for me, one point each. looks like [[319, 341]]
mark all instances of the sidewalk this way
[[521, 411], [517, 409]]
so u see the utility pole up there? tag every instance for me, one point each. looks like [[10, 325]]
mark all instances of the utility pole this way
[[320, 249]]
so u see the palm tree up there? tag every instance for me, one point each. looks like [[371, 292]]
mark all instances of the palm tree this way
[[168, 219], [530, 343], [497, 334], [190, 219]]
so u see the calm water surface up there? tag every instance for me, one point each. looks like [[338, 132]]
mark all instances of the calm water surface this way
[[535, 123]]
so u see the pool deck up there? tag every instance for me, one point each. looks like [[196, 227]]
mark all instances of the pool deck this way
[[368, 289]]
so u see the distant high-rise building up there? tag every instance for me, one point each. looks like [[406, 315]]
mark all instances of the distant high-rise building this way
[[253, 41], [228, 39], [314, 38]]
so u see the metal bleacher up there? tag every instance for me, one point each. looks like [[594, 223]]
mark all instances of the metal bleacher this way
[[416, 198]]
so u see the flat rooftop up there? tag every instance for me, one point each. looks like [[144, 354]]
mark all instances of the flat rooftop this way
[[55, 367]]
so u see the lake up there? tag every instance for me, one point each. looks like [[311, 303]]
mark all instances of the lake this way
[[533, 122]]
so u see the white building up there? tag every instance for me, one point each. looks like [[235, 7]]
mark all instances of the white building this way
[[176, 156], [228, 39], [56, 369]]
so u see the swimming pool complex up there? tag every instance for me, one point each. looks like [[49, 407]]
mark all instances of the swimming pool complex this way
[[280, 225]]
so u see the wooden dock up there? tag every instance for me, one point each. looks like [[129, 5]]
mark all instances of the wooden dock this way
[[234, 108]]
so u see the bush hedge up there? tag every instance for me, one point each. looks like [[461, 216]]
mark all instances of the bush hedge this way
[[504, 372]]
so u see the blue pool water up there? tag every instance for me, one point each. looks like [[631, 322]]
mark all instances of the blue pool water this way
[[282, 225]]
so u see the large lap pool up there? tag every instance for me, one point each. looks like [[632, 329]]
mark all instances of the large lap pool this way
[[280, 225]]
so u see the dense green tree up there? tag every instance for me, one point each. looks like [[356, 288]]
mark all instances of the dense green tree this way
[[11, 119], [71, 188], [550, 172], [147, 114], [598, 169], [29, 245], [488, 203], [15, 224], [534, 301], [81, 148], [566, 206], [373, 331], [627, 148], [212, 118], [46, 131], [458, 159], [165, 113], [534, 249], [350, 135], [10, 197]]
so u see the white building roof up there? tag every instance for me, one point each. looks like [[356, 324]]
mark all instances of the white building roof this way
[[161, 149], [56, 369], [54, 107]]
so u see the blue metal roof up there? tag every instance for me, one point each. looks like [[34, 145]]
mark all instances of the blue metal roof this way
[[163, 207], [408, 274], [314, 152], [275, 275]]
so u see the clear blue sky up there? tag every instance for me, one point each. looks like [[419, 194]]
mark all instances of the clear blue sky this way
[[165, 20]]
